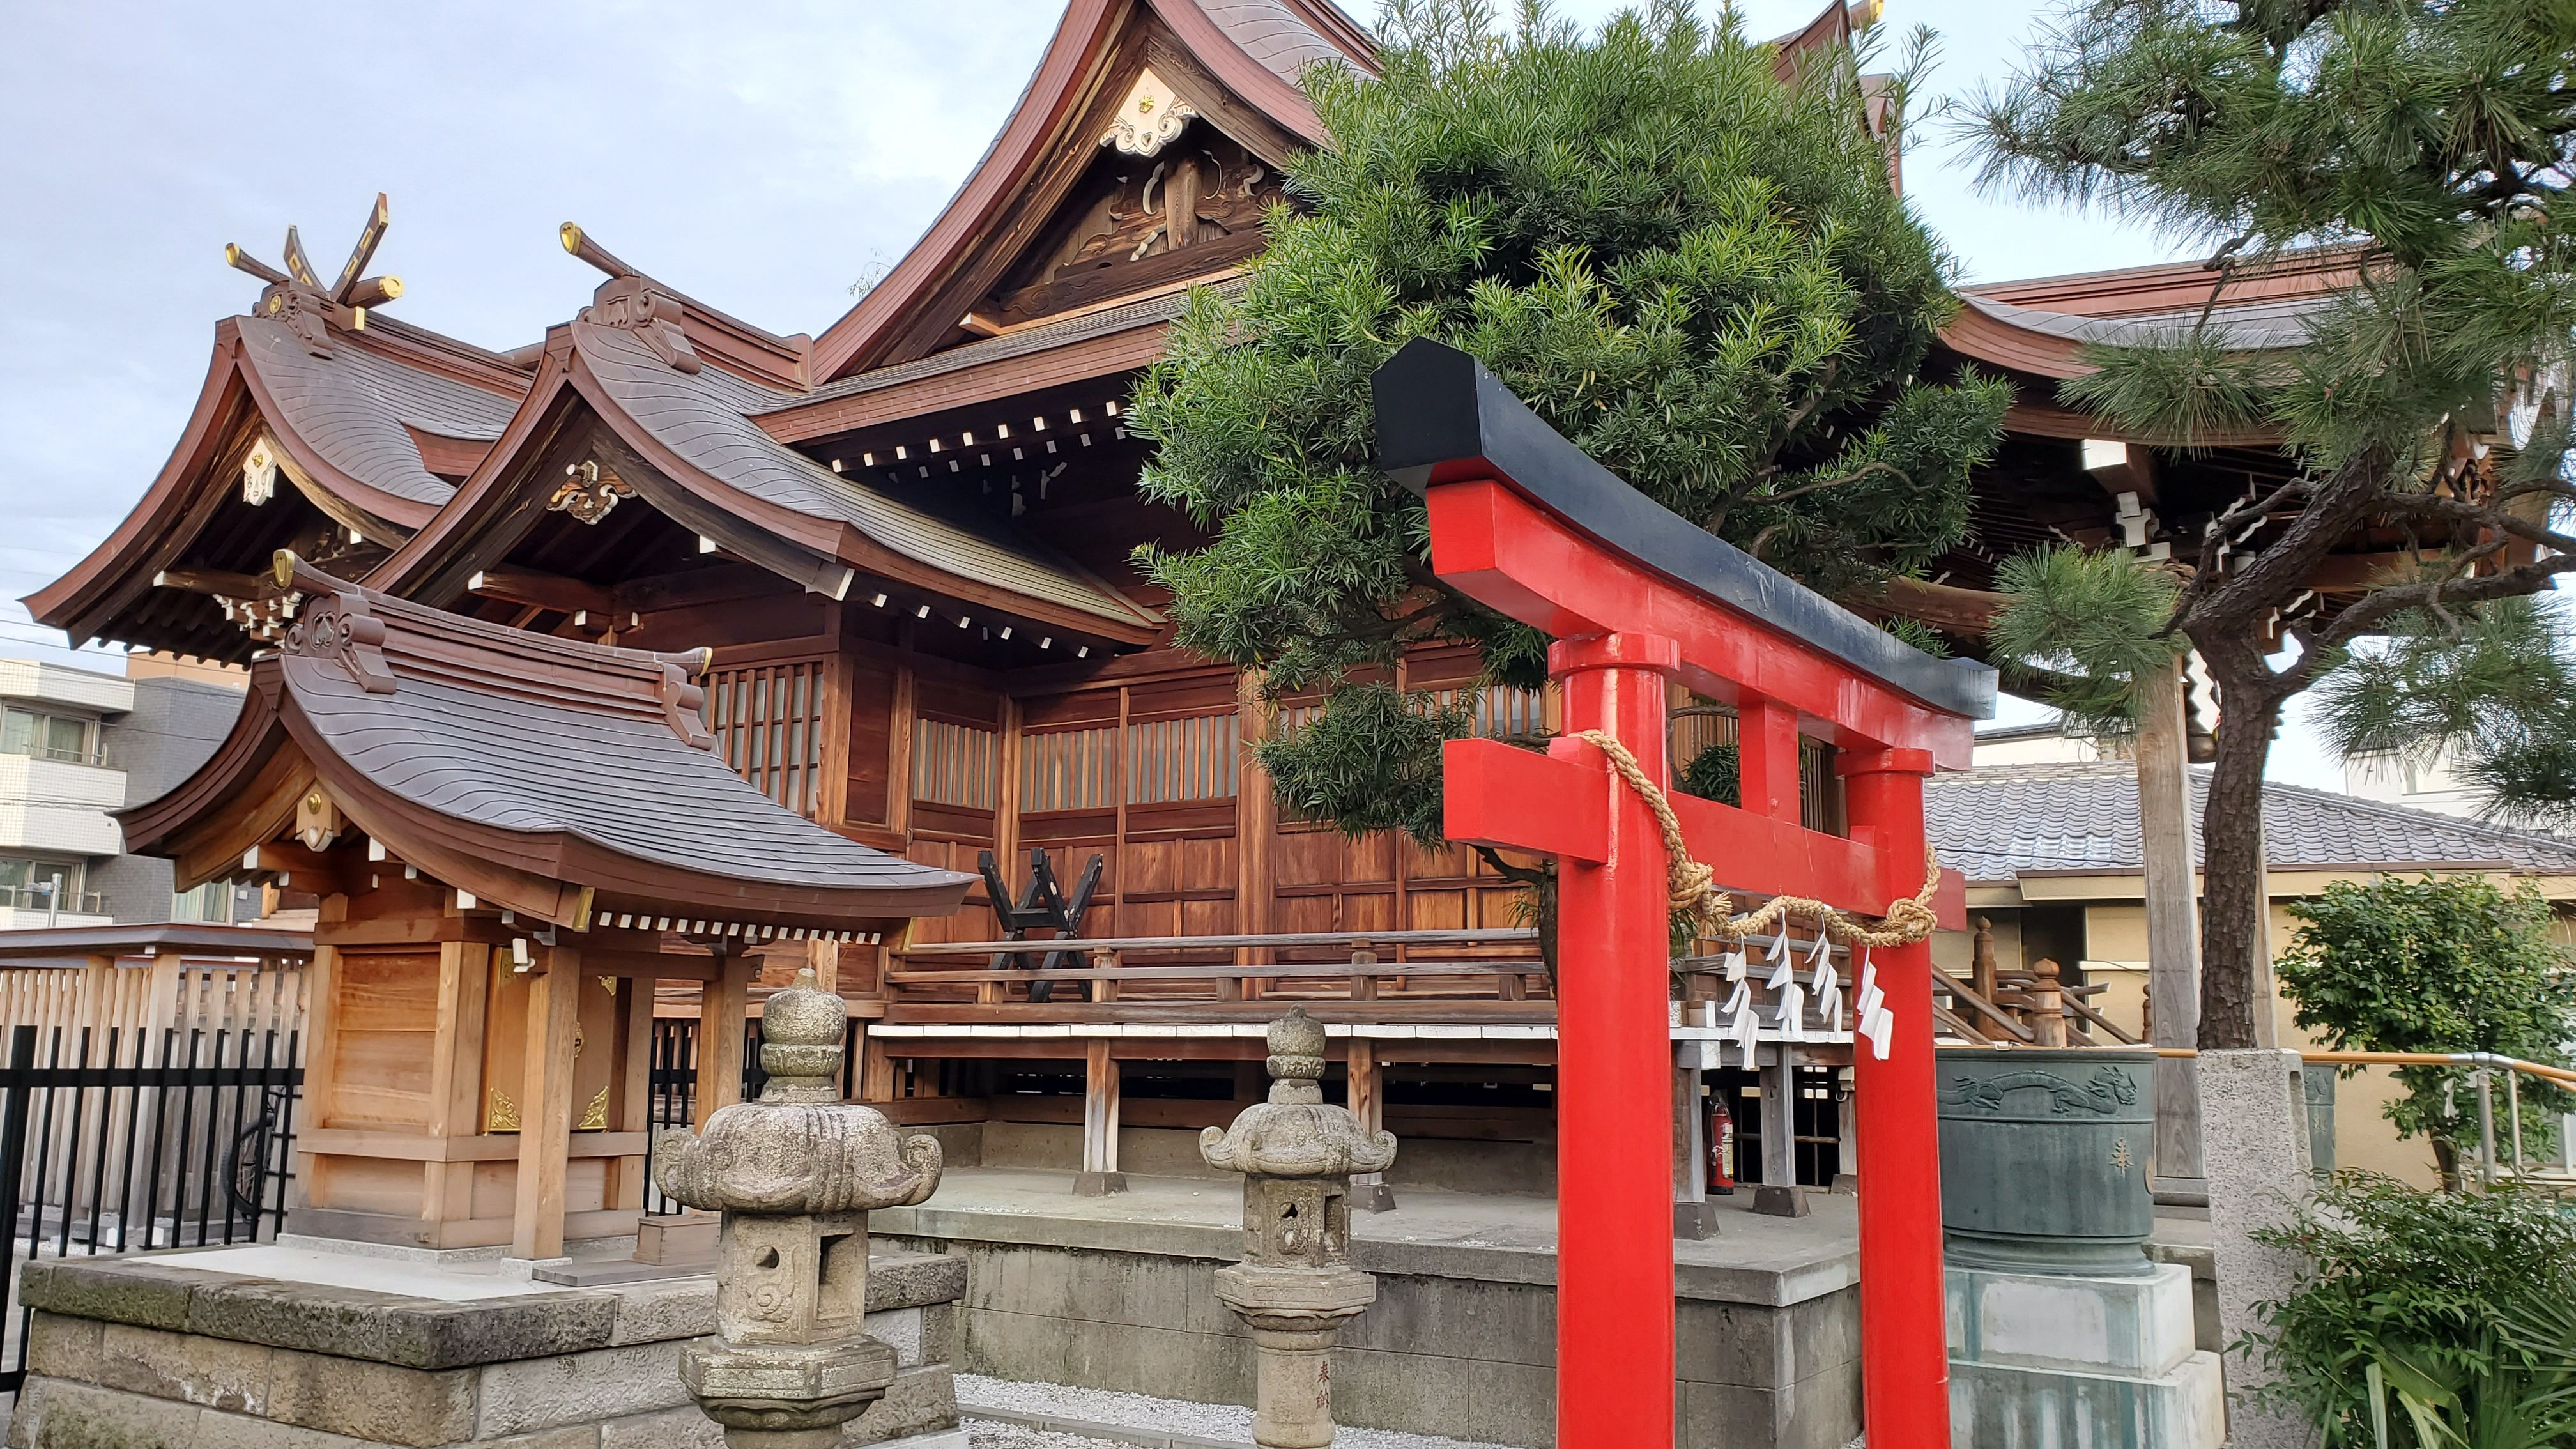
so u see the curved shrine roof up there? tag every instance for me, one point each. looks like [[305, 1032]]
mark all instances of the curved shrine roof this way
[[358, 410], [547, 775], [704, 419], [357, 422]]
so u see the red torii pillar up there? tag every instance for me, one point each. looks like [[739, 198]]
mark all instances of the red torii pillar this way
[[1635, 596]]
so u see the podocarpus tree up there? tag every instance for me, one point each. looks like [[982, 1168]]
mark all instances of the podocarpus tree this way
[[2431, 137], [1696, 270]]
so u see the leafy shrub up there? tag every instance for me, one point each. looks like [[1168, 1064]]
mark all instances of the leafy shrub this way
[[2429, 1320], [2437, 966]]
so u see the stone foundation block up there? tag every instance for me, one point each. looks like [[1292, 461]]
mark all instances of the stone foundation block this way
[[383, 1403], [920, 1401], [899, 1330], [2135, 1327], [522, 1395], [2009, 1407], [114, 1364], [671, 1429]]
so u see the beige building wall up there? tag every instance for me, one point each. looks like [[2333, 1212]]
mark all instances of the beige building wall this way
[[2115, 956]]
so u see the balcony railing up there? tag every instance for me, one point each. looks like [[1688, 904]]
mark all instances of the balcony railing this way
[[65, 756], [41, 898]]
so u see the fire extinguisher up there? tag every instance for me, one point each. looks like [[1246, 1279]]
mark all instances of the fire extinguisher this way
[[1721, 1146]]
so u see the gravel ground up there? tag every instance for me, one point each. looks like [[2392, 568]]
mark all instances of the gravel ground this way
[[1178, 1416], [988, 1434]]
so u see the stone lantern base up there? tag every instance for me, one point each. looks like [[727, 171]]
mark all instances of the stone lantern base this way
[[1293, 1314], [786, 1396]]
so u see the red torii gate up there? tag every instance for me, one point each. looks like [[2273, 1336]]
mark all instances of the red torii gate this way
[[1635, 595]]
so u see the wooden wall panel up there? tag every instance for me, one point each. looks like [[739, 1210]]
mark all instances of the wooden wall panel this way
[[383, 1043], [873, 701]]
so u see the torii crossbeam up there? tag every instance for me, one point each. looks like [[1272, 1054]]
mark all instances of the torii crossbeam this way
[[1636, 597]]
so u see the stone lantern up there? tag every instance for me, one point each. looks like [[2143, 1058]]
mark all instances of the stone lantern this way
[[795, 1175], [1295, 1284]]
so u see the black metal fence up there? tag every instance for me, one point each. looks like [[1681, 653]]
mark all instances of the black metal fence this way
[[112, 1142]]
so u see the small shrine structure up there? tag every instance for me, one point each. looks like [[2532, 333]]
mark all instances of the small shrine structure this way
[[512, 837]]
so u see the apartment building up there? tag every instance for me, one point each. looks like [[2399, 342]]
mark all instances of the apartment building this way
[[78, 744]]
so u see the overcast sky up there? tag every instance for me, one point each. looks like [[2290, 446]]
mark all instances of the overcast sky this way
[[765, 155]]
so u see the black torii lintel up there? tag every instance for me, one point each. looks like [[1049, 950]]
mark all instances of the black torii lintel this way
[[1441, 417]]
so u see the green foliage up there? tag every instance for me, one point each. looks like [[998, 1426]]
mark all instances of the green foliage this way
[[1697, 272], [1716, 773], [2427, 139], [1919, 634], [2093, 621], [2436, 966], [2486, 688], [1372, 761], [2429, 1320]]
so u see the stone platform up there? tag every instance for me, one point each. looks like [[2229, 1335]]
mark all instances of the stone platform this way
[[1119, 1293], [273, 1347], [2106, 1362]]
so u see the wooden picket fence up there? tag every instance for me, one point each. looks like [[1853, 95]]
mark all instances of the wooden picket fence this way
[[148, 1165]]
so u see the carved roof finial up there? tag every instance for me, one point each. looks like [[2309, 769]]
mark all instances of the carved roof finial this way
[[578, 242], [296, 296]]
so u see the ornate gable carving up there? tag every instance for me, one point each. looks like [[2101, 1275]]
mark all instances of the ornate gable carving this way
[[336, 626], [1143, 216], [1151, 116]]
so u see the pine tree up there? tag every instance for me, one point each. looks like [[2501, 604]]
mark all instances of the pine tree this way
[[2431, 137], [1697, 270], [2484, 690]]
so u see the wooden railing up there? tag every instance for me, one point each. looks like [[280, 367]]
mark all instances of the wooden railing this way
[[1471, 975], [2032, 1007]]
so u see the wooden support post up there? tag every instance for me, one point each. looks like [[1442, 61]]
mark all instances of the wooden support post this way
[[2173, 929], [1847, 1133], [2047, 1005], [724, 1005], [1779, 1194], [1369, 1192], [876, 1070], [456, 1075], [545, 1112], [1100, 1175], [1766, 734], [1614, 1317], [1256, 823], [321, 1104], [1694, 1216], [1981, 959], [634, 1096]]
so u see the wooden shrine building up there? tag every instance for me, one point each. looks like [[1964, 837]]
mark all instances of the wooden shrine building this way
[[904, 543], [512, 837]]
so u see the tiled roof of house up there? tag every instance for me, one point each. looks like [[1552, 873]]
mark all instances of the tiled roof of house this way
[[2001, 821]]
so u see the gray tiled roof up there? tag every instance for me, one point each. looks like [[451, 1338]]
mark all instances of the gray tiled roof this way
[[1996, 822], [2252, 326], [355, 407], [705, 418], [1272, 34]]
